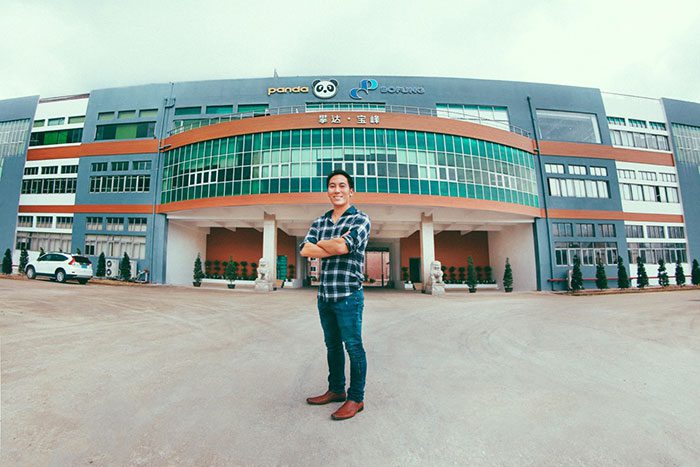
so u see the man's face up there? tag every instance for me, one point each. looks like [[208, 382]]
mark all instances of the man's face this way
[[339, 191]]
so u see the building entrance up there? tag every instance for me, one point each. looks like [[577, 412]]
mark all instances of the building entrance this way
[[377, 267]]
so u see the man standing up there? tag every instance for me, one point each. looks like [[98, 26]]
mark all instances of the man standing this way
[[339, 239]]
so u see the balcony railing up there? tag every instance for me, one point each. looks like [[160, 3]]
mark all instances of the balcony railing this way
[[191, 124]]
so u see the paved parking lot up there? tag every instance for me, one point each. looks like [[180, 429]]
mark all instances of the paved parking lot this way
[[167, 375]]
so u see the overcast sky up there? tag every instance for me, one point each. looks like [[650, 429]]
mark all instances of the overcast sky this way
[[61, 47]]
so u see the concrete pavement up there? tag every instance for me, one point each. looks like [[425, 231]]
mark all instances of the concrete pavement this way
[[168, 375]]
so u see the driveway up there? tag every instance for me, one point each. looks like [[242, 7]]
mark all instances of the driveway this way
[[158, 375]]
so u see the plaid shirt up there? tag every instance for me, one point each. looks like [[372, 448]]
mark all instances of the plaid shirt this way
[[341, 275]]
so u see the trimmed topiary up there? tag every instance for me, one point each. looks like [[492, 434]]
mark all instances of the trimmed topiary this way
[[471, 275], [680, 274], [23, 260], [623, 280], [601, 278], [7, 262], [197, 273], [662, 274], [125, 268], [642, 277], [695, 273], [508, 277], [576, 275], [101, 266]]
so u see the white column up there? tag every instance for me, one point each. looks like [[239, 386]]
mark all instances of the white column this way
[[395, 253], [270, 243], [427, 246]]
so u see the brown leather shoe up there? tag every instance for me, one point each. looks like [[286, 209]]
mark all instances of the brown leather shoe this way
[[326, 398], [348, 410]]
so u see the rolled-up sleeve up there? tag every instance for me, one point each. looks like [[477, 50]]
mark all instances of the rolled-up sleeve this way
[[358, 234], [311, 236]]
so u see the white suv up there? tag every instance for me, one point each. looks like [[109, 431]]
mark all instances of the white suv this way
[[60, 266]]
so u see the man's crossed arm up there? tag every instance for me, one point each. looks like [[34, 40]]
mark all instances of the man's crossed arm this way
[[326, 248]]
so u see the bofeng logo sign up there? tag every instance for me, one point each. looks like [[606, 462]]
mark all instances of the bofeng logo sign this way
[[367, 85]]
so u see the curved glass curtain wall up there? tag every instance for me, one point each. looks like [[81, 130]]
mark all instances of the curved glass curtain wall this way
[[381, 160]]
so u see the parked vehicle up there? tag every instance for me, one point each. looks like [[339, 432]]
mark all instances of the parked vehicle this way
[[61, 267]]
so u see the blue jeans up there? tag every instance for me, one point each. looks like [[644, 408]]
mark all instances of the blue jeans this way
[[342, 323]]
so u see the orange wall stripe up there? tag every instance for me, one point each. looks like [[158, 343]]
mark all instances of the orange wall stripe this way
[[349, 120], [597, 151], [360, 199], [81, 208], [93, 149], [614, 215]]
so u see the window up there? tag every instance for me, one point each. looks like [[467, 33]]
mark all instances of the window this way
[[48, 186], [616, 121], [120, 166], [219, 109], [578, 188], [64, 222], [634, 231], [667, 177], [93, 223], [577, 170], [105, 116], [599, 171], [341, 106], [644, 175], [50, 169], [141, 165], [639, 140], [653, 252], [38, 123], [607, 230], [125, 131], [126, 114], [587, 252], [568, 126], [99, 166], [137, 224], [655, 231], [657, 126], [585, 230], [252, 108], [120, 184], [554, 168], [56, 121], [44, 222], [24, 221], [625, 173], [45, 138], [114, 246], [69, 169], [188, 110], [488, 115], [675, 232], [637, 123], [562, 229], [115, 223], [47, 241], [76, 119], [148, 113], [31, 170]]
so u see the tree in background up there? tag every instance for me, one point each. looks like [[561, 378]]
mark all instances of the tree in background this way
[[125, 268], [576, 275], [101, 265], [197, 273], [7, 262], [680, 273], [623, 280], [642, 278], [508, 277], [663, 274], [601, 278], [23, 260]]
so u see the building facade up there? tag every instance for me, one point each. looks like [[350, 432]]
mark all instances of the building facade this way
[[234, 170]]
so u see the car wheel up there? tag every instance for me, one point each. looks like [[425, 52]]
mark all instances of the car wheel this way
[[83, 281], [60, 275], [31, 273]]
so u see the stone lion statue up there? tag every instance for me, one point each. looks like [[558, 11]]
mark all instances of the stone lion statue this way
[[263, 270], [436, 272]]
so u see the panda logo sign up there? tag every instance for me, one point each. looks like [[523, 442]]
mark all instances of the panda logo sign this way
[[325, 89]]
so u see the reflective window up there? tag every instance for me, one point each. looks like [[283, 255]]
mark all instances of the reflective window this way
[[568, 126]]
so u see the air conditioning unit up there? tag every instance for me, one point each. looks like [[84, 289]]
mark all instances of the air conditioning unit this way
[[112, 267]]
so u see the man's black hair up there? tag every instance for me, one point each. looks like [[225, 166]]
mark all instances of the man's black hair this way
[[344, 174]]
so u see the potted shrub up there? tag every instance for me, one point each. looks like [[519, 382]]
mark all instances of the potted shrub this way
[[471, 275], [453, 274], [230, 273], [7, 262], [23, 260], [462, 274], [125, 268], [207, 268], [663, 275], [244, 270], [254, 272], [695, 273], [576, 275], [680, 274], [101, 265], [404, 274], [642, 277], [479, 274], [291, 272], [197, 273], [601, 279], [217, 269], [508, 277], [623, 280]]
